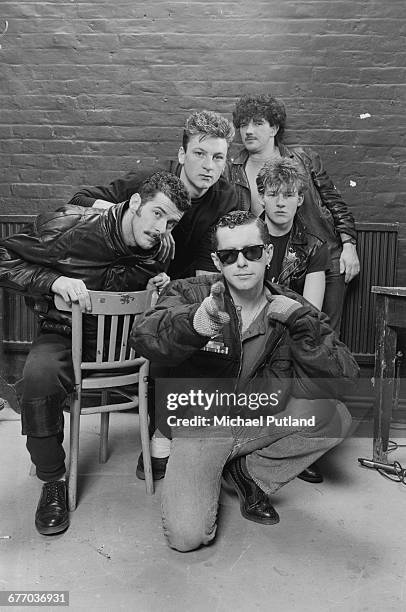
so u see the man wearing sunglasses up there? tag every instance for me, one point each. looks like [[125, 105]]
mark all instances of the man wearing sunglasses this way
[[237, 336]]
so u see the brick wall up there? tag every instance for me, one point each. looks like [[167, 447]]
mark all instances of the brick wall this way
[[90, 89]]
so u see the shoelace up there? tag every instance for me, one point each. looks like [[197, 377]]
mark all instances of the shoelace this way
[[55, 489]]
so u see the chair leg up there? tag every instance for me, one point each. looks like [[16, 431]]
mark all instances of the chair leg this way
[[104, 436], [143, 415], [74, 451]]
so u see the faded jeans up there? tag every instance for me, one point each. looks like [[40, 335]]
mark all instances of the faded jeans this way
[[274, 456]]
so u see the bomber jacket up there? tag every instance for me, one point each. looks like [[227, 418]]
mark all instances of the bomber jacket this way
[[192, 234], [78, 243], [303, 357], [301, 248], [323, 210]]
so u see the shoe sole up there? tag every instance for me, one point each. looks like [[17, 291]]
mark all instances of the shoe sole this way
[[312, 480], [53, 530], [229, 477]]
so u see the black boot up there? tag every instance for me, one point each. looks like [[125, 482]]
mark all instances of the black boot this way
[[255, 505], [311, 474], [158, 467], [52, 514]]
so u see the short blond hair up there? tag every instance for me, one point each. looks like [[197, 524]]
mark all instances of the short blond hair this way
[[208, 124]]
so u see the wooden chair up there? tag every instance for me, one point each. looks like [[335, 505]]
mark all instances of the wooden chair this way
[[115, 366]]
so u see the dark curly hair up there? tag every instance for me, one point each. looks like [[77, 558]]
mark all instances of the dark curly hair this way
[[261, 106], [168, 184], [282, 172], [207, 124], [236, 218]]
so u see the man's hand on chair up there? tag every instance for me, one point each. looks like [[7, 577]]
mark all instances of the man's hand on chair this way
[[72, 290], [158, 282]]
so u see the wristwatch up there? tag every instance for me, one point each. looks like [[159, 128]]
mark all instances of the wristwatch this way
[[349, 240]]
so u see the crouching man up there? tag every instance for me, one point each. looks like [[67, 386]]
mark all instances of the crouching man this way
[[67, 253], [241, 333]]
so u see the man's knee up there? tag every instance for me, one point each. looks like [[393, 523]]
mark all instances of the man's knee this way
[[187, 531], [186, 538], [41, 368], [330, 417], [344, 418]]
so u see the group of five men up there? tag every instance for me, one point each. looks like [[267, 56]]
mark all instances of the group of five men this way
[[224, 319]]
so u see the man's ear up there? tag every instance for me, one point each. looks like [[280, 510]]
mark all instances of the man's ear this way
[[300, 200], [216, 261], [135, 202], [275, 130], [181, 155]]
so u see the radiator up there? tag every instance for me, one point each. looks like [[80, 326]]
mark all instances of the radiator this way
[[18, 322], [377, 250]]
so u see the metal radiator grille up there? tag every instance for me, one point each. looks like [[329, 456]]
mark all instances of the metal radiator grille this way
[[377, 250], [19, 325]]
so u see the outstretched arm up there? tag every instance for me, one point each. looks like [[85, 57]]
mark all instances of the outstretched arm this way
[[178, 326], [103, 196]]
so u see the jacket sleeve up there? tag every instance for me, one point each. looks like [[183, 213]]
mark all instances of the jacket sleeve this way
[[165, 335], [117, 191], [27, 263], [330, 196], [323, 366], [19, 275]]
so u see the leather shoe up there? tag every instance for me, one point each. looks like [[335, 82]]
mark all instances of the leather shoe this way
[[311, 474], [52, 514], [158, 467], [255, 505]]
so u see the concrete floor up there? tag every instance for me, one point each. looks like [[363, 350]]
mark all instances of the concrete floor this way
[[340, 546]]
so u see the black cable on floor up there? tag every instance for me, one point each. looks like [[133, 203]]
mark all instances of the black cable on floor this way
[[400, 475]]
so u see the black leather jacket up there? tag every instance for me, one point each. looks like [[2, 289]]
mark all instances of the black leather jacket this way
[[75, 242], [323, 211], [302, 246]]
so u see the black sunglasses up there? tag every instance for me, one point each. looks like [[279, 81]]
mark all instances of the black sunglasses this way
[[230, 256]]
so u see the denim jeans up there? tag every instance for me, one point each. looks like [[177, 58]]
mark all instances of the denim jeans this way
[[274, 456]]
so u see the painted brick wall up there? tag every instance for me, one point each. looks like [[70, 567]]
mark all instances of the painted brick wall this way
[[90, 89]]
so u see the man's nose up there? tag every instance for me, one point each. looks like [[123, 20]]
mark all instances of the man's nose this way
[[280, 200], [160, 226], [241, 261], [250, 127], [208, 162]]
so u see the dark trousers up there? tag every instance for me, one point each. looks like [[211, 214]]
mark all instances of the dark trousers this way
[[47, 380], [334, 299]]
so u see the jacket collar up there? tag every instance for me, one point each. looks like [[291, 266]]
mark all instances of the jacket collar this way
[[113, 218], [242, 155], [297, 232]]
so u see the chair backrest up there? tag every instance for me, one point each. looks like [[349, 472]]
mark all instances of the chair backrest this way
[[115, 313]]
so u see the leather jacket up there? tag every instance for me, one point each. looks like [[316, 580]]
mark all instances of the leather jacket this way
[[302, 246], [323, 211], [302, 357], [76, 242]]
